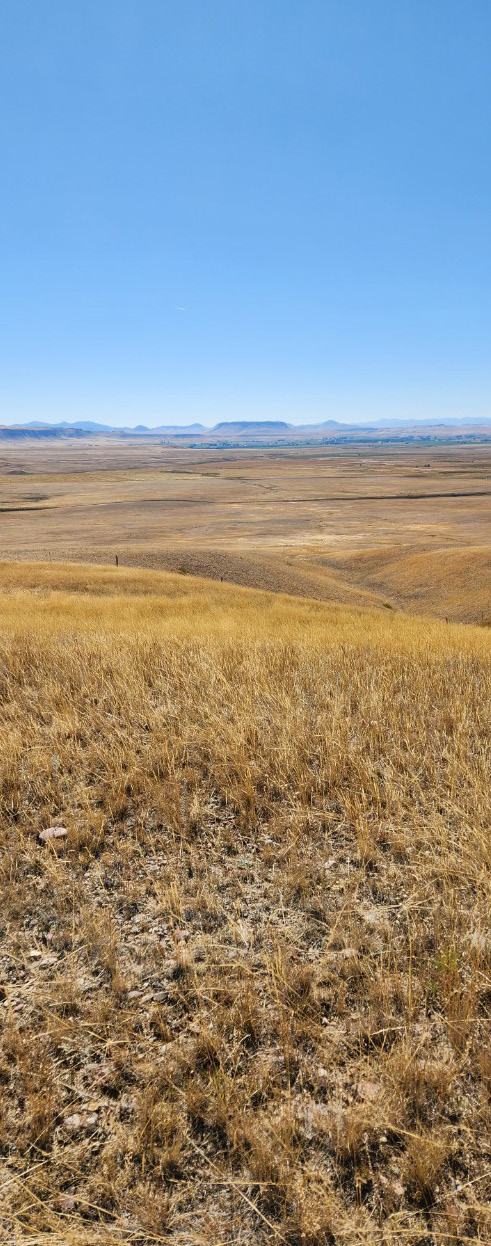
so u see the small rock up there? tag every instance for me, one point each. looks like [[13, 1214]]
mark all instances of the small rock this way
[[479, 940], [91, 1118], [52, 832], [67, 1202], [93, 1106], [374, 917], [368, 1090], [34, 954], [73, 1123], [398, 1189]]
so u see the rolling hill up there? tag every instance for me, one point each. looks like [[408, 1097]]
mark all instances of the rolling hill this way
[[245, 988]]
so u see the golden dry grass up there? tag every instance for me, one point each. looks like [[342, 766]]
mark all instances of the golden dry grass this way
[[452, 583], [401, 525], [248, 998]]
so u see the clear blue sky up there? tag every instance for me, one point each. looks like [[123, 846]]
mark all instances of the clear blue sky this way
[[309, 179]]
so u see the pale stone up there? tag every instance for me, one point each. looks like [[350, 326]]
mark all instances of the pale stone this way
[[52, 832]]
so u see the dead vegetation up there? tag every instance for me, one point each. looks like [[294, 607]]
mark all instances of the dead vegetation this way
[[247, 999], [401, 526], [450, 583]]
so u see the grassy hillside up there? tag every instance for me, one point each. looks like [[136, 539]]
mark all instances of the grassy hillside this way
[[247, 998], [449, 583], [401, 526]]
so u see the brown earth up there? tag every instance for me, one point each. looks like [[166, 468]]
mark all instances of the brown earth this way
[[396, 526]]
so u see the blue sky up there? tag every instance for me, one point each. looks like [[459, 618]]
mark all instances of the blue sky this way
[[309, 179]]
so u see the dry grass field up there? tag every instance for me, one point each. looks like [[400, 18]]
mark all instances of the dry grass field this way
[[247, 998], [403, 526]]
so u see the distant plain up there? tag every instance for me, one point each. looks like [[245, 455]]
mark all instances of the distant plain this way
[[401, 526]]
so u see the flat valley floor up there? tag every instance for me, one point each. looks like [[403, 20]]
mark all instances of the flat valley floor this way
[[400, 526]]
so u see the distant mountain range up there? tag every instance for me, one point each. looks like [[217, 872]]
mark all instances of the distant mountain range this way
[[88, 426], [247, 430]]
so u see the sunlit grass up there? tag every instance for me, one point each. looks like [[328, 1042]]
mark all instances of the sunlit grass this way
[[252, 986]]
